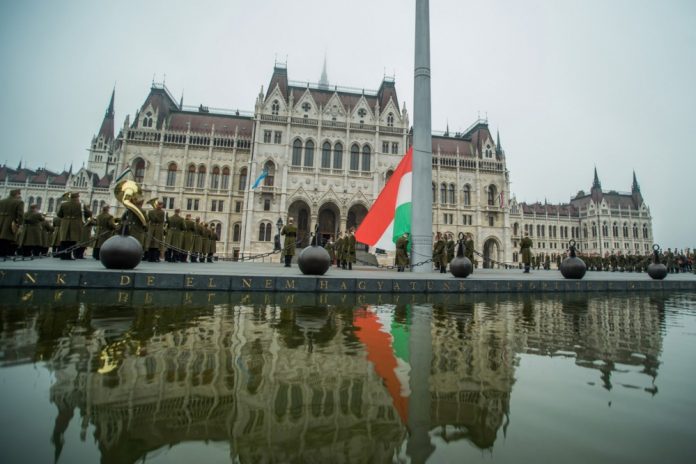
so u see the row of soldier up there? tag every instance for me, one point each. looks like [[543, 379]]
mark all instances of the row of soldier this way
[[342, 251], [31, 234]]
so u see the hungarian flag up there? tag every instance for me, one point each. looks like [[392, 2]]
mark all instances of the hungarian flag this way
[[390, 215]]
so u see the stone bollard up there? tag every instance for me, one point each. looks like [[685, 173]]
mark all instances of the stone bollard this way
[[573, 267], [461, 266], [657, 270]]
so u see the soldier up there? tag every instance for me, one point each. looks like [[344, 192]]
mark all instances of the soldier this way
[[526, 252], [212, 249], [440, 253], [339, 250], [136, 228], [55, 239], [349, 248], [30, 238], [70, 213], [401, 258], [198, 241], [450, 247], [86, 234], [290, 232], [205, 242], [329, 247], [106, 227], [11, 217], [187, 238], [46, 236], [469, 247], [174, 239], [155, 232]]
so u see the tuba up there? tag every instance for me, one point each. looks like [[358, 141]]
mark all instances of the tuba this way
[[126, 191], [152, 202]]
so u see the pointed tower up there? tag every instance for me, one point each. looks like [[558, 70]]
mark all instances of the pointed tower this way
[[101, 149], [324, 79], [635, 192], [596, 190], [498, 147]]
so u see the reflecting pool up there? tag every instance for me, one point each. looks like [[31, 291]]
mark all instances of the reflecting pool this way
[[168, 377]]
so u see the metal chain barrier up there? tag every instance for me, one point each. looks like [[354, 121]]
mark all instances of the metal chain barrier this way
[[219, 258]]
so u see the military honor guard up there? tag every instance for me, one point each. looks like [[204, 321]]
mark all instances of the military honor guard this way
[[174, 237], [155, 231], [135, 227], [188, 238], [70, 214], [330, 248], [339, 250], [197, 252], [401, 258], [212, 244], [349, 249], [86, 235], [290, 232], [106, 228], [31, 235], [11, 217], [526, 252], [440, 253]]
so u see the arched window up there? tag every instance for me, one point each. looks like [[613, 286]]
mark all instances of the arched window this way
[[38, 203], [309, 154], [218, 230], [215, 178], [236, 232], [645, 231], [452, 196], [338, 156], [31, 201], [492, 193], [515, 229], [275, 108], [95, 207], [265, 232], [354, 157], [147, 120], [51, 203], [635, 230], [171, 175], [390, 120], [269, 167], [297, 153], [326, 155], [625, 230], [225, 184], [200, 182], [190, 175], [443, 193], [584, 231], [605, 229], [101, 204], [139, 170], [467, 195], [615, 230], [366, 158], [242, 179]]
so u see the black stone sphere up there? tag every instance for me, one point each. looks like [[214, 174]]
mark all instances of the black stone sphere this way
[[121, 252], [314, 260], [657, 271], [461, 267], [573, 268]]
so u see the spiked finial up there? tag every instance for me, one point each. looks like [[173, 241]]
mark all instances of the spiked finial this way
[[596, 183], [635, 187]]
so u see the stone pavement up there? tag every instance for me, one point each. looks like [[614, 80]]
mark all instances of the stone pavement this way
[[273, 277]]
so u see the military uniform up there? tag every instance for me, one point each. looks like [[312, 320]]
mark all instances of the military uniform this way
[[174, 239], [440, 255], [55, 238], [198, 242], [349, 250], [136, 229], [30, 239], [401, 258], [290, 232], [11, 217], [329, 246], [155, 234], [187, 238], [46, 235], [70, 213], [212, 250], [86, 236], [469, 249], [526, 252], [106, 227], [339, 251], [450, 249], [205, 241]]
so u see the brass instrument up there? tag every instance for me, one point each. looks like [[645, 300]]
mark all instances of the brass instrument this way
[[127, 192], [65, 196], [152, 202]]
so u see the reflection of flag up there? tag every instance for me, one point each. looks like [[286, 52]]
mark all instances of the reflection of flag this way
[[390, 215], [386, 342], [258, 180]]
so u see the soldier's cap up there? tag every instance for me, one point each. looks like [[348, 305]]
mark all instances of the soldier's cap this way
[[75, 195], [15, 192]]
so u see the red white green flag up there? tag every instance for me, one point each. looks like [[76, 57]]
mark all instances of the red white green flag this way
[[390, 215]]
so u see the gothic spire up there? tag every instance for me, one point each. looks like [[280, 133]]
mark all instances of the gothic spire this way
[[498, 146], [596, 183], [635, 187], [324, 79], [107, 127], [110, 109]]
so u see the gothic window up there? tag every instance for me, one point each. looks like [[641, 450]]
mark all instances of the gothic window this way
[[309, 154], [390, 120], [242, 179], [467, 195], [200, 181], [297, 153], [492, 191], [366, 158], [277, 137], [50, 205], [267, 136], [515, 229], [584, 231], [594, 229], [395, 148], [38, 203], [215, 178], [645, 231], [218, 230], [605, 230], [452, 196], [171, 175], [615, 230], [275, 108], [306, 107], [139, 170], [338, 156], [236, 232], [635, 230], [385, 147], [269, 167], [354, 157], [443, 193], [147, 121], [326, 155], [265, 232], [190, 175], [625, 230], [225, 184]]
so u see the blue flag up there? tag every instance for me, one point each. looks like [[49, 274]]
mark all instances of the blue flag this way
[[263, 175]]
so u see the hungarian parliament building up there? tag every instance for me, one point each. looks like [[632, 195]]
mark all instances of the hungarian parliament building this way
[[321, 153]]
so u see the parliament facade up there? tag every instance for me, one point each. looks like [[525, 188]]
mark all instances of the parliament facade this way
[[321, 153]]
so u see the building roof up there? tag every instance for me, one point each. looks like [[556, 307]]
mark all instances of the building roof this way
[[107, 127], [204, 122], [542, 209]]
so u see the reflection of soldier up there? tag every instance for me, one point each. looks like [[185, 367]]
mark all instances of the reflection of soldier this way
[[339, 250], [290, 232], [401, 259], [526, 252]]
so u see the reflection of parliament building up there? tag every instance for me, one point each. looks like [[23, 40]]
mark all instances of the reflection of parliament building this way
[[267, 379], [328, 151]]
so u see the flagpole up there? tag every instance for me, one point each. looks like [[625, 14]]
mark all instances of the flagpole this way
[[422, 202]]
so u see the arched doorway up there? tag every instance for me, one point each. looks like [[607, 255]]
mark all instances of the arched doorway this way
[[328, 221], [356, 214], [491, 253], [299, 210]]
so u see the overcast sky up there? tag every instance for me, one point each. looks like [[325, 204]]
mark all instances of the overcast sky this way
[[570, 84]]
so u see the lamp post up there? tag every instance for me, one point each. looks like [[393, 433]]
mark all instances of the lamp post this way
[[279, 225]]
